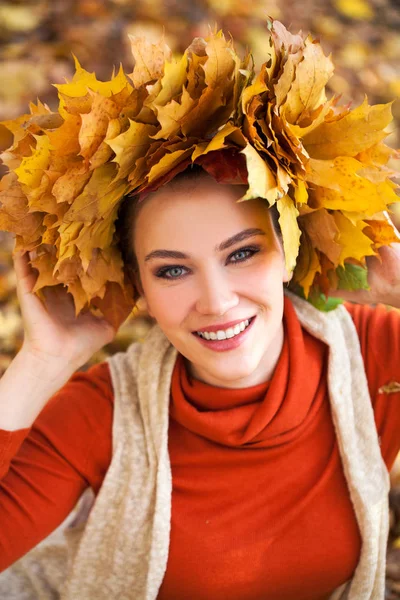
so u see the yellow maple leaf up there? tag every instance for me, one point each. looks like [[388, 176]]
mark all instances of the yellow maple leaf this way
[[290, 231], [355, 244], [300, 192], [167, 163], [261, 179], [308, 89], [355, 132], [382, 231], [149, 60], [341, 188], [172, 82], [172, 115], [30, 171], [69, 185], [220, 140], [95, 123], [104, 153], [68, 234], [98, 196], [97, 235], [130, 145], [221, 60], [74, 96], [64, 139]]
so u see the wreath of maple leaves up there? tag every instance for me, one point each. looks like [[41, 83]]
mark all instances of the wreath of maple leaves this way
[[324, 166]]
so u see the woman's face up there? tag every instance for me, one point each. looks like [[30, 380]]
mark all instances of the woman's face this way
[[208, 264]]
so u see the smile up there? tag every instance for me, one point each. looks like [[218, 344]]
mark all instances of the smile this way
[[223, 340], [225, 334]]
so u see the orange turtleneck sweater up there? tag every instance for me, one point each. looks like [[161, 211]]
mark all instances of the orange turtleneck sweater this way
[[260, 506]]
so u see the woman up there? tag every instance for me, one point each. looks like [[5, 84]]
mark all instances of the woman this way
[[237, 446], [256, 469]]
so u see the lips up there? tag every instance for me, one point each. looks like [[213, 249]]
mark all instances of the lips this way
[[227, 344], [222, 326]]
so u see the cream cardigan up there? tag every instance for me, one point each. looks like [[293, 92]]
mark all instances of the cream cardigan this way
[[120, 550]]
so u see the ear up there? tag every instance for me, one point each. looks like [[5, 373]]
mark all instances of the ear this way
[[286, 276], [143, 306], [142, 303]]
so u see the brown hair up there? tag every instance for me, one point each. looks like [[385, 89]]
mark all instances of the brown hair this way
[[126, 218]]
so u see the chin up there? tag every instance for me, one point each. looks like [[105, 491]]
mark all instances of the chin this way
[[235, 375]]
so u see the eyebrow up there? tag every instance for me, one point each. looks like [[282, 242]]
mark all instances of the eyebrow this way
[[235, 239]]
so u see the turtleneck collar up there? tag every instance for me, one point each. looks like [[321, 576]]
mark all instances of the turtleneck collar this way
[[263, 415]]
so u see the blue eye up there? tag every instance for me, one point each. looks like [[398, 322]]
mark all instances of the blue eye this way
[[170, 272], [243, 254], [240, 255]]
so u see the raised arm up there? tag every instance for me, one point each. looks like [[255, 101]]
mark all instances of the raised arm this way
[[44, 469], [56, 344], [55, 427]]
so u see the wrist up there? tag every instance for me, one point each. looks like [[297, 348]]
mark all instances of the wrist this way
[[39, 365], [393, 301], [25, 388]]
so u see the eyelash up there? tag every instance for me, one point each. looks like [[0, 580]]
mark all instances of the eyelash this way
[[162, 273]]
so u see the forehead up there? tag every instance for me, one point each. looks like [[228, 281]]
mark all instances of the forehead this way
[[195, 213]]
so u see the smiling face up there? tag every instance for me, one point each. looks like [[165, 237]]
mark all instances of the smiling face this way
[[209, 264]]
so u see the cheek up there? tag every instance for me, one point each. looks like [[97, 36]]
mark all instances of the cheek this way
[[168, 305], [266, 278]]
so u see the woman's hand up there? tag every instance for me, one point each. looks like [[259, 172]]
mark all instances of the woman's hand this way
[[383, 279], [52, 332]]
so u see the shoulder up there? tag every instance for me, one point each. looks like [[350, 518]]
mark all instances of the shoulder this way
[[82, 408], [75, 426], [369, 315], [378, 329]]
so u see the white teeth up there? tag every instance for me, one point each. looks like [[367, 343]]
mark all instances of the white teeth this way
[[227, 334]]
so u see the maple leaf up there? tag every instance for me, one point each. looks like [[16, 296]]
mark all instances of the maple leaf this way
[[95, 123], [307, 264], [307, 91], [323, 231], [149, 60], [340, 186], [355, 244], [352, 277], [290, 231], [354, 132]]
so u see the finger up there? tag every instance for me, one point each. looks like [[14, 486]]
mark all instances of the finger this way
[[26, 276], [59, 301], [358, 296], [29, 303]]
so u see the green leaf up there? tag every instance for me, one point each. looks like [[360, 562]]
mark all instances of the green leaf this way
[[322, 303], [352, 277], [318, 299]]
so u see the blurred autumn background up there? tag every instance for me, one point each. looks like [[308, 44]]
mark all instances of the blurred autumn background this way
[[38, 37]]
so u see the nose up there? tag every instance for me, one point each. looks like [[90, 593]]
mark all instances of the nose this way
[[215, 295]]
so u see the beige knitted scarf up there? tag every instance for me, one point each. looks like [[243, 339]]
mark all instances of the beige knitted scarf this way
[[118, 548]]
